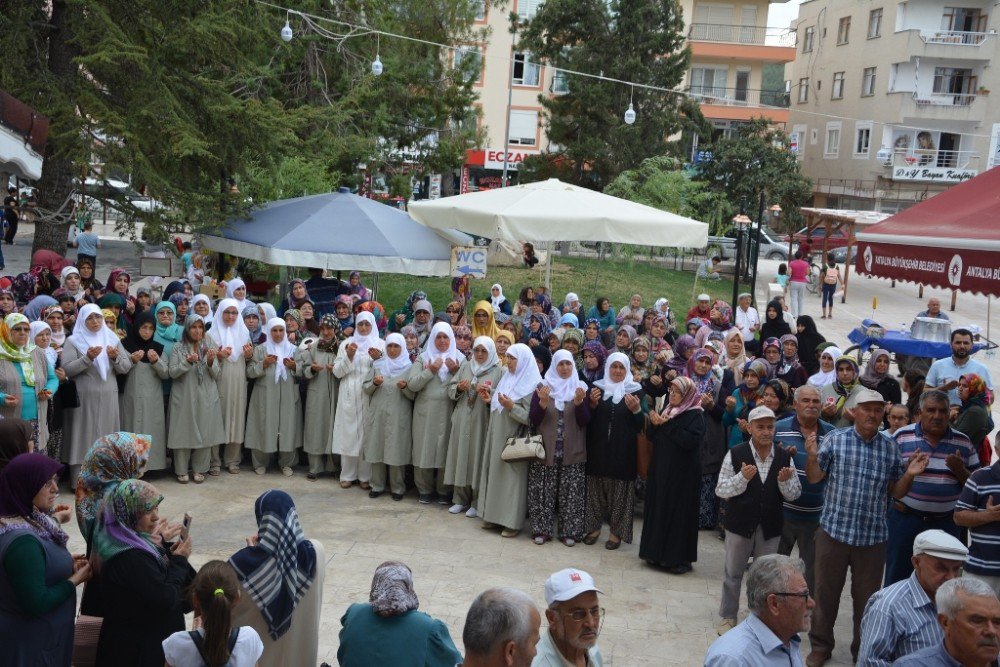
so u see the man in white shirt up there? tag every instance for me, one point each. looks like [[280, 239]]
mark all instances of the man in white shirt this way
[[747, 318], [574, 617]]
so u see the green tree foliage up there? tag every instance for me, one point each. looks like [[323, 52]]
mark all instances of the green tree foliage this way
[[631, 40], [660, 183], [756, 159], [187, 98]]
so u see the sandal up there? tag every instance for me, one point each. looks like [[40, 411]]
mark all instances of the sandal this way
[[198, 478], [214, 471], [346, 485], [568, 541], [182, 479], [509, 532], [591, 538], [611, 546], [365, 486]]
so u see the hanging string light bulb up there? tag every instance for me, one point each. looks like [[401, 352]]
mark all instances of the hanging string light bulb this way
[[377, 63], [630, 112], [286, 32]]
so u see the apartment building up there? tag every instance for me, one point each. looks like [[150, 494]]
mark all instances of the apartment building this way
[[730, 45], [890, 101]]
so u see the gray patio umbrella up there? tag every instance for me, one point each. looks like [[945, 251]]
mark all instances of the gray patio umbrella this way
[[339, 231]]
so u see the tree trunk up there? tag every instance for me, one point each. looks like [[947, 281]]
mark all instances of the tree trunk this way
[[58, 171]]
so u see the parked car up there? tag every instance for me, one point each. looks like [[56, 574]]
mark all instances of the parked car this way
[[840, 254], [838, 238], [725, 246]]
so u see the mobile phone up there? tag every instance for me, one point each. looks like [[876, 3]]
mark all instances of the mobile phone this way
[[186, 526]]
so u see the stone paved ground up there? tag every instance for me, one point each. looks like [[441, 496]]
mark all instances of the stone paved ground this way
[[652, 618]]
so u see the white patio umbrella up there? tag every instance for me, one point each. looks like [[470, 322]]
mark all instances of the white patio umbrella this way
[[555, 211]]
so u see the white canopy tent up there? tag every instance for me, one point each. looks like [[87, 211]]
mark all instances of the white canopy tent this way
[[555, 211]]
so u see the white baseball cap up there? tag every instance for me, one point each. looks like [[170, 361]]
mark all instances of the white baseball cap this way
[[760, 412], [704, 297], [567, 584]]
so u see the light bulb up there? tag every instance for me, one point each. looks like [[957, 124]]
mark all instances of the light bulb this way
[[377, 66], [286, 32], [630, 115]]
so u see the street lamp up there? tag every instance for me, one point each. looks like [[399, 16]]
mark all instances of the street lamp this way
[[741, 221]]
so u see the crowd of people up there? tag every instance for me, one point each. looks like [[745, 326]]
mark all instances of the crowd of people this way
[[724, 420]]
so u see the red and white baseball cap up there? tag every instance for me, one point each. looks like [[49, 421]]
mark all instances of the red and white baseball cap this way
[[567, 584]]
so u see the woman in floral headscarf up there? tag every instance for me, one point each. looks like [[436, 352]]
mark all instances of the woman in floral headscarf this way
[[594, 355], [133, 563], [973, 417], [789, 368], [536, 330], [315, 357]]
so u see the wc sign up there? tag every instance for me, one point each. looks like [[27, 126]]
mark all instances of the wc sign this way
[[468, 261]]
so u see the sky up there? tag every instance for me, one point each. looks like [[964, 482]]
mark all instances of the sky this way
[[780, 14]]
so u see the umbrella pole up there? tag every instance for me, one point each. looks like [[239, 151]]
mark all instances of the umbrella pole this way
[[375, 286], [548, 268]]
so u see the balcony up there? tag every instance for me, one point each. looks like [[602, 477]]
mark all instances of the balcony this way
[[946, 107], [973, 46], [748, 43], [916, 157], [742, 103]]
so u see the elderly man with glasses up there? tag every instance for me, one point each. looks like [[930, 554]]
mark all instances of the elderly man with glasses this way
[[575, 617], [780, 608]]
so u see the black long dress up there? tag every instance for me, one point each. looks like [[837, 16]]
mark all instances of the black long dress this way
[[145, 604], [670, 520]]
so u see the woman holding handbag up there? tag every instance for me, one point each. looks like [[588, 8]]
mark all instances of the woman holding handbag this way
[[503, 492], [557, 485], [616, 420]]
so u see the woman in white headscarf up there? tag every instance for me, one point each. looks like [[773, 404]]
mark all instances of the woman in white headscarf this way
[[237, 289], [557, 486], [616, 419], [503, 491], [194, 424], [388, 438], [469, 421], [92, 357], [499, 301], [274, 423], [230, 333], [202, 305], [315, 357], [428, 379], [355, 358], [827, 374]]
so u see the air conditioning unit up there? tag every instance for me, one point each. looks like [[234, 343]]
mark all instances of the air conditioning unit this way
[[884, 156]]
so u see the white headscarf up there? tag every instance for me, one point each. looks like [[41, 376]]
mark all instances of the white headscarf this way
[[283, 350], [821, 379], [231, 288], [497, 300], [563, 389], [659, 306], [267, 311], [365, 343], [235, 336], [524, 380], [389, 367], [570, 298], [203, 297], [432, 354], [38, 327], [83, 338], [616, 390], [491, 360]]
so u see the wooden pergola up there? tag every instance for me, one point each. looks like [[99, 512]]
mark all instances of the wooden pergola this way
[[832, 220]]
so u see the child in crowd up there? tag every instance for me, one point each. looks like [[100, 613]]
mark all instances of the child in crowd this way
[[897, 417]]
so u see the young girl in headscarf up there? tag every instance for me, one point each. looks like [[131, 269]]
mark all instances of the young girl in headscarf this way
[[118, 283], [877, 376], [315, 358], [744, 399], [388, 438], [789, 369], [774, 325], [72, 283], [355, 358], [469, 421], [232, 336], [141, 400], [274, 423], [194, 423], [835, 397], [412, 342]]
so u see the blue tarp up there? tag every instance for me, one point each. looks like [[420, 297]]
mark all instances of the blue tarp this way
[[900, 342]]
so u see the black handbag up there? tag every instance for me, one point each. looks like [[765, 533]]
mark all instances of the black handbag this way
[[66, 396]]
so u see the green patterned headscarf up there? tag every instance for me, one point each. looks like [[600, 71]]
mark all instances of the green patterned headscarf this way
[[14, 354], [117, 532]]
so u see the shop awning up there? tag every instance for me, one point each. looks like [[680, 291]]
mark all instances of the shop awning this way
[[951, 241]]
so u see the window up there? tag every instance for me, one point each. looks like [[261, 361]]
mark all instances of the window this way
[[560, 82], [710, 81], [526, 72], [831, 148], [953, 85], [470, 59], [838, 86], [807, 39], [868, 82], [844, 30], [862, 139], [480, 7], [875, 23], [523, 127], [803, 90], [526, 9]]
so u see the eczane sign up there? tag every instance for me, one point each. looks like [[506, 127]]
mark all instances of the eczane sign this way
[[933, 174], [494, 159]]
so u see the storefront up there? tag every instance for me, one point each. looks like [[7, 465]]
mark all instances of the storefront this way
[[483, 169]]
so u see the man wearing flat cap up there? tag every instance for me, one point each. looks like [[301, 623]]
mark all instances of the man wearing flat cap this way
[[755, 478], [902, 618]]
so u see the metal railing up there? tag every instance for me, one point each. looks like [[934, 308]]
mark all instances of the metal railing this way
[[917, 157], [739, 97], [953, 37], [945, 99], [741, 34]]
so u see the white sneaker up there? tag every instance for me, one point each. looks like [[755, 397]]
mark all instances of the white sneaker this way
[[456, 509], [471, 513], [286, 471]]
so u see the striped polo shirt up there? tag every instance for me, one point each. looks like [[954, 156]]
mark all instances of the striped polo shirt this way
[[936, 489], [984, 554], [809, 505]]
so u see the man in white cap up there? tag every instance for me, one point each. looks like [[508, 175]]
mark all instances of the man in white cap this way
[[574, 617], [755, 478], [861, 466], [701, 310], [901, 618]]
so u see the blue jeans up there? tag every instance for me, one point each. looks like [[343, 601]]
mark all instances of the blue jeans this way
[[828, 291], [903, 529]]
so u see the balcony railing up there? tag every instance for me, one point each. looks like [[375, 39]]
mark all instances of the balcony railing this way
[[953, 37], [917, 157], [741, 34], [740, 97], [944, 99]]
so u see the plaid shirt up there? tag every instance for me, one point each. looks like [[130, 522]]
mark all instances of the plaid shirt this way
[[858, 474]]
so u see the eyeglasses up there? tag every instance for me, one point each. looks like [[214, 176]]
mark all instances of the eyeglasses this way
[[450, 310], [805, 595], [581, 614]]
